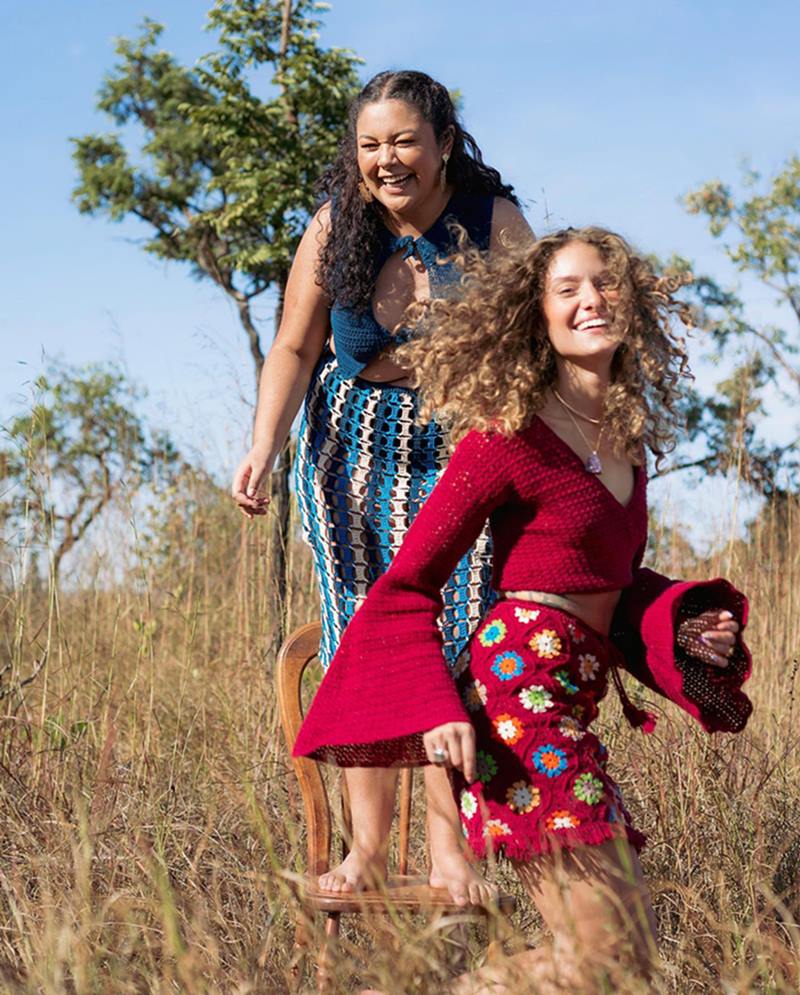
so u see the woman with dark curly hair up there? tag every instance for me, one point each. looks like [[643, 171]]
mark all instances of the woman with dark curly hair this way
[[554, 370], [405, 173]]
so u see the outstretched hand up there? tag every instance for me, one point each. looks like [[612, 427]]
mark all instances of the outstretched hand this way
[[452, 745], [710, 637], [247, 483]]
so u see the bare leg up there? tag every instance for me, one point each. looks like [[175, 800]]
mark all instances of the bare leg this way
[[371, 791], [449, 866], [597, 906], [595, 903], [372, 794]]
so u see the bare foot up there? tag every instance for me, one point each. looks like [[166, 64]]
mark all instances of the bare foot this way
[[451, 870], [356, 872]]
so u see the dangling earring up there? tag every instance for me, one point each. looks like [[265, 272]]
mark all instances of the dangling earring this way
[[443, 174], [366, 193]]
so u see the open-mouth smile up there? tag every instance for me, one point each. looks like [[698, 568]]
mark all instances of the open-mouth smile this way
[[395, 181]]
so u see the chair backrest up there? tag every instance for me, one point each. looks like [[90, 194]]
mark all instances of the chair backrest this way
[[298, 651]]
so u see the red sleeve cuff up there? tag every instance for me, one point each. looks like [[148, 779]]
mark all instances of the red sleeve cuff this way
[[645, 627]]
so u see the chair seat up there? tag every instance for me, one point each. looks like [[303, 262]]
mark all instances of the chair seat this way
[[401, 892]]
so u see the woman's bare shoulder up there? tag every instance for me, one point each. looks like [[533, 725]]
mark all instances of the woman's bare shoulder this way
[[322, 215], [320, 223], [510, 230]]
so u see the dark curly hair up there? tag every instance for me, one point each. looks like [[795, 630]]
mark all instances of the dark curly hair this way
[[348, 260]]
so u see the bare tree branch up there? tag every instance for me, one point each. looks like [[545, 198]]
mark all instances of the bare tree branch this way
[[703, 463], [776, 353]]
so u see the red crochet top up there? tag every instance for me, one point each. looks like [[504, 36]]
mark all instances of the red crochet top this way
[[555, 528]]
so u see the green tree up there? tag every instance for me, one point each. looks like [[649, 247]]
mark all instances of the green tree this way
[[220, 160], [77, 448], [760, 236]]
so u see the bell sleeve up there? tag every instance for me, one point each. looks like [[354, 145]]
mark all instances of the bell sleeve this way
[[645, 630], [388, 682]]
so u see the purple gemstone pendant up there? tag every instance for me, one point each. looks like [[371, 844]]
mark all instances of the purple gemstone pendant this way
[[593, 464]]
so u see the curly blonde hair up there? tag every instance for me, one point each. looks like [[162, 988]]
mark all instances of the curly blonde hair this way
[[485, 360]]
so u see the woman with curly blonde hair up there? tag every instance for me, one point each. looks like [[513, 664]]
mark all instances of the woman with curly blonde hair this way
[[554, 371]]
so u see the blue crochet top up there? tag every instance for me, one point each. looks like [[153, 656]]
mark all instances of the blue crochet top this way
[[358, 336]]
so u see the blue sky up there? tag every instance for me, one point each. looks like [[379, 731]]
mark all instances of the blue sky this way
[[596, 112]]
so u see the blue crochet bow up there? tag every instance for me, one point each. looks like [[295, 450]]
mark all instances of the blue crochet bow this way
[[410, 245]]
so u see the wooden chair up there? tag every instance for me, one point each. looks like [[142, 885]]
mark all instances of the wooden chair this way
[[402, 891]]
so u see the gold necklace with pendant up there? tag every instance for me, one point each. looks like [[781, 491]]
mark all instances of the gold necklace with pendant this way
[[592, 462]]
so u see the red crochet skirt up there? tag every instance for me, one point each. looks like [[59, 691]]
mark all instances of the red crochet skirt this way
[[532, 678]]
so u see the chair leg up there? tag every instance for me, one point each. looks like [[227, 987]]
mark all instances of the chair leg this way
[[326, 953], [302, 941]]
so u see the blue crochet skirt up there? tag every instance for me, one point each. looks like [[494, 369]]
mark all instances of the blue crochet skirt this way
[[363, 470]]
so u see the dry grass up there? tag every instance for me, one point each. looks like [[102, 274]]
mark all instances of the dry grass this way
[[147, 798]]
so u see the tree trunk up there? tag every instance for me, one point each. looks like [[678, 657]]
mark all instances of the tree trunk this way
[[280, 538], [281, 509], [253, 339], [285, 21]]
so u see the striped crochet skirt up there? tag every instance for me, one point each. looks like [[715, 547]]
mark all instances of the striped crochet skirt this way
[[363, 470]]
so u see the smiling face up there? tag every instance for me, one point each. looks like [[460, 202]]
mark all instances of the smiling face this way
[[399, 156], [578, 304]]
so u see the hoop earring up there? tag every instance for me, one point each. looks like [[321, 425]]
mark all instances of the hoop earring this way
[[366, 194], [443, 173]]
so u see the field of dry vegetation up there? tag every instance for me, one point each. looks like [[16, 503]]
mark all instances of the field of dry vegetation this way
[[148, 800]]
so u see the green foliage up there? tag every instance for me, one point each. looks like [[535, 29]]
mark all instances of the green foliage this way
[[80, 444], [760, 234], [221, 159], [765, 227]]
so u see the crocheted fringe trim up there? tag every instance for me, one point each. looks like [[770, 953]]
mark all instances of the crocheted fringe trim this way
[[403, 751], [553, 842]]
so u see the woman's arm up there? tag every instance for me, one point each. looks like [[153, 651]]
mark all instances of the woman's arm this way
[[288, 367]]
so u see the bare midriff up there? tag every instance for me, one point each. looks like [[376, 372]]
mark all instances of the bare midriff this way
[[382, 369], [596, 610]]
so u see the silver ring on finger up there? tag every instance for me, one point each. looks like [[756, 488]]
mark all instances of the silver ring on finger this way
[[440, 755]]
